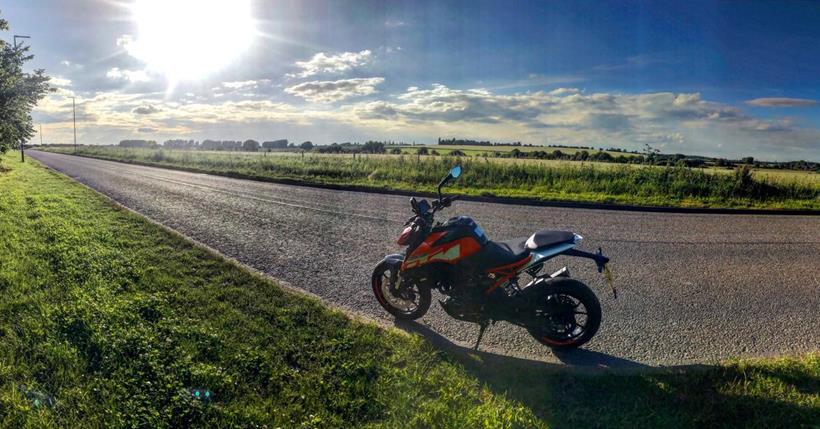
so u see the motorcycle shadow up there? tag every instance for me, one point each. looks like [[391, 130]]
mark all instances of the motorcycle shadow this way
[[579, 359]]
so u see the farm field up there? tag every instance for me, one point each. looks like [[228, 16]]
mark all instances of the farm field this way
[[471, 150], [546, 180], [139, 319]]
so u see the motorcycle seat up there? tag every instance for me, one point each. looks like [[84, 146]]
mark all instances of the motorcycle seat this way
[[547, 237], [499, 253]]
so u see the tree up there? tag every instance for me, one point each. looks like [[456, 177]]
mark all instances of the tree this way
[[19, 93], [650, 153], [373, 147], [306, 146], [250, 145], [275, 144]]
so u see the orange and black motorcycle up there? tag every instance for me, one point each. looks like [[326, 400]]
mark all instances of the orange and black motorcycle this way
[[480, 278]]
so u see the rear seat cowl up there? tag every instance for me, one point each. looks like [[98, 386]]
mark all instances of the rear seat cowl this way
[[547, 237]]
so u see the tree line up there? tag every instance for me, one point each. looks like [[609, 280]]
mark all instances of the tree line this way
[[649, 155], [249, 145], [465, 142]]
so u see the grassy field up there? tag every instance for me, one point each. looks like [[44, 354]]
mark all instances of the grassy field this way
[[533, 179], [489, 150], [107, 320]]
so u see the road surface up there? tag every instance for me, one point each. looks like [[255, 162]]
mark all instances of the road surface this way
[[693, 287]]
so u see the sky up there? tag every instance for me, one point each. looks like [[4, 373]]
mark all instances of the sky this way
[[728, 79]]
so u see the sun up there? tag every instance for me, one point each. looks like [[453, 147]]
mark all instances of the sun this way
[[190, 39]]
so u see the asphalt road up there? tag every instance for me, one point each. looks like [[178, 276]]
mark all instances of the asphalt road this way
[[692, 287]]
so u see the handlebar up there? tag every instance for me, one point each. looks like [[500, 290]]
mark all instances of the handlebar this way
[[436, 206], [443, 202]]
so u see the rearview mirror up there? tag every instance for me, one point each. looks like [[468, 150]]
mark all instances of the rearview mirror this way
[[455, 171], [452, 175]]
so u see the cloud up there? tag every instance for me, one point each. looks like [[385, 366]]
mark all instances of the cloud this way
[[146, 109], [59, 81], [781, 102], [393, 23], [337, 63], [331, 91], [146, 130], [132, 76], [674, 122], [245, 84], [680, 122], [125, 41]]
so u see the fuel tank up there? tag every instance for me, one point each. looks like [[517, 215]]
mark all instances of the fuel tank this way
[[451, 242]]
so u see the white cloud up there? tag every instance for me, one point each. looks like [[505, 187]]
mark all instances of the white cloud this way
[[675, 122], [781, 102], [59, 81], [331, 91], [125, 41], [337, 63], [132, 76], [246, 84], [678, 122], [66, 63]]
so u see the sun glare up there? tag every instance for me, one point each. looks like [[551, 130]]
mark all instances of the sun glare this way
[[189, 39]]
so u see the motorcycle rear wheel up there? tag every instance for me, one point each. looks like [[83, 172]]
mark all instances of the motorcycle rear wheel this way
[[412, 306], [571, 314]]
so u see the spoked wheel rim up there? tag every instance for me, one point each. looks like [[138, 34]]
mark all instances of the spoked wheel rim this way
[[406, 301], [563, 319]]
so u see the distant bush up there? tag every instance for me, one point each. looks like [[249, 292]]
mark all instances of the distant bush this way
[[138, 143]]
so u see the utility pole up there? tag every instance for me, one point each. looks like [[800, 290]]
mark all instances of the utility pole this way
[[22, 154], [74, 115], [41, 134]]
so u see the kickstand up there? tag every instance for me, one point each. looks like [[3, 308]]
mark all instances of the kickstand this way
[[483, 327]]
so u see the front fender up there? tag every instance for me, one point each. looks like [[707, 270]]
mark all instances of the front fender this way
[[392, 261]]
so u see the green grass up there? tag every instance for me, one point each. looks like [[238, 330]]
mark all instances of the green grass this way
[[115, 319], [532, 179]]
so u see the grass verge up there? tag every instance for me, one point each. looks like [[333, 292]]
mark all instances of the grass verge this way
[[529, 179], [107, 320]]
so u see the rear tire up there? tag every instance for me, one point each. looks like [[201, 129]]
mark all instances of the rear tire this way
[[422, 296], [556, 299]]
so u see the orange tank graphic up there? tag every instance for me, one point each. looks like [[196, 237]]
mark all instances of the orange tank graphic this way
[[450, 252]]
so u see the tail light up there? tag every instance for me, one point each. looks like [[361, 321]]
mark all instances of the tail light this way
[[404, 238]]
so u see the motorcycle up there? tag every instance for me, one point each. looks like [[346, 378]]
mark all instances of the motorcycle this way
[[479, 278]]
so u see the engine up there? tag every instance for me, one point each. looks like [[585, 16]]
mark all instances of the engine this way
[[465, 296]]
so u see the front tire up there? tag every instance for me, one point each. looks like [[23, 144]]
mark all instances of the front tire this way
[[570, 314], [410, 303]]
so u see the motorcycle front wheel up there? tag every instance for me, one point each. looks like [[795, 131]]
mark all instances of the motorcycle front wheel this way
[[408, 302], [567, 314]]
